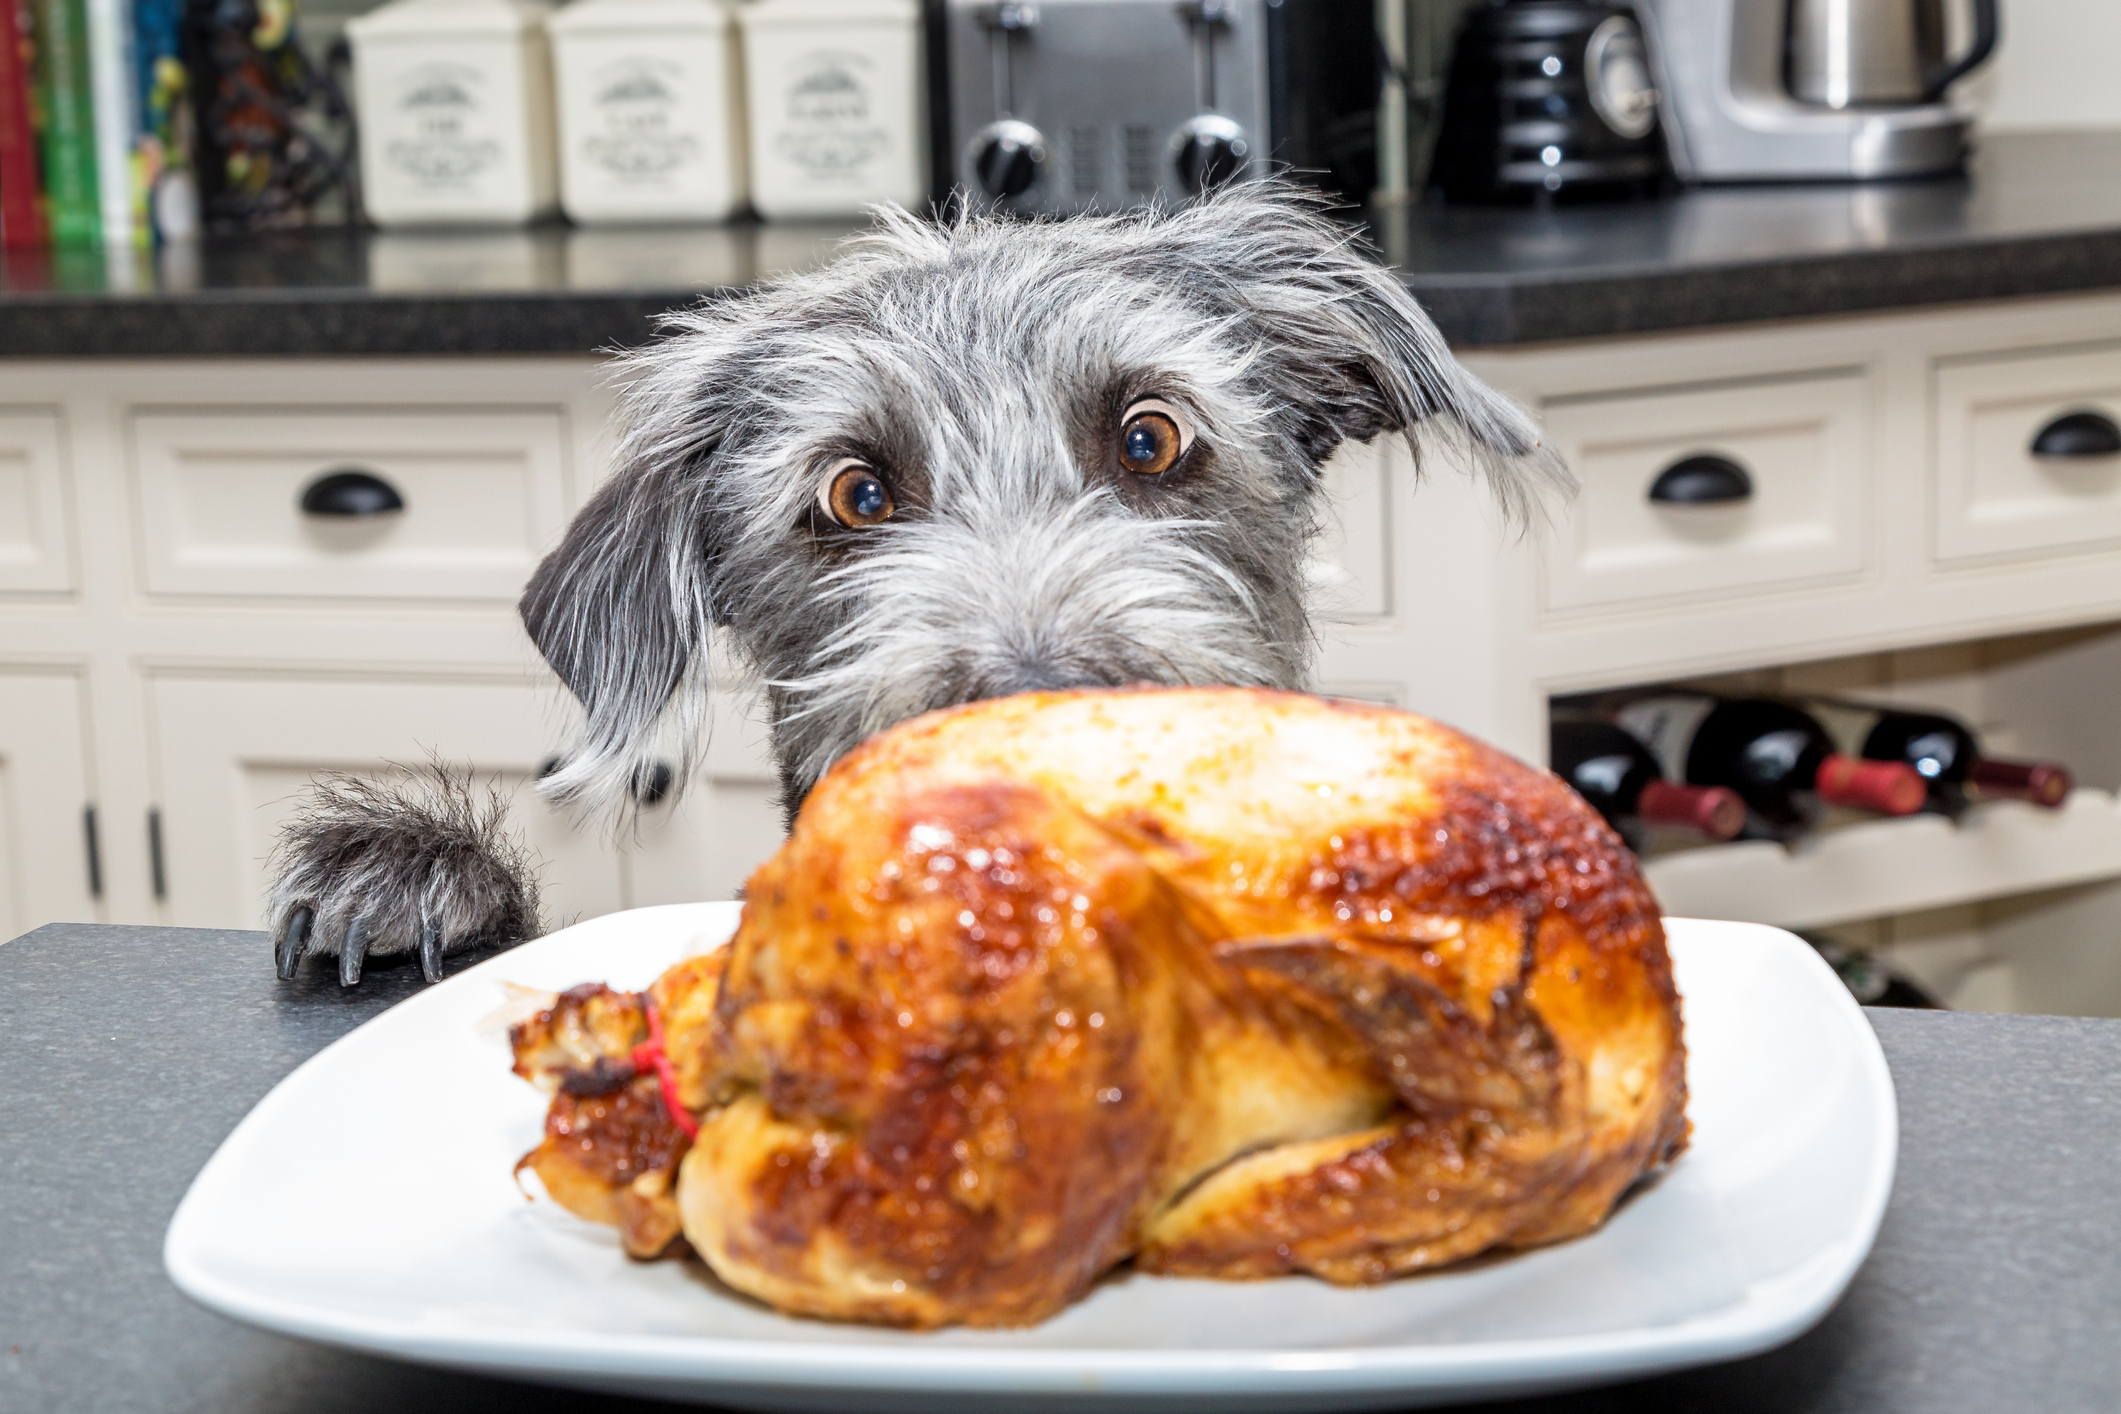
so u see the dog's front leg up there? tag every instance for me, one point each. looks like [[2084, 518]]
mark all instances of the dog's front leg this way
[[419, 862]]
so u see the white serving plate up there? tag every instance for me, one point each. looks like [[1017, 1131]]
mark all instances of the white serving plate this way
[[367, 1203]]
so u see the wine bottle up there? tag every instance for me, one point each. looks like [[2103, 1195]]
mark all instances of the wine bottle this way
[[1945, 753], [1778, 759], [1622, 781]]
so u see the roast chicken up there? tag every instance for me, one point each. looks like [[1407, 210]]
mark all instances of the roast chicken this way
[[1224, 982]]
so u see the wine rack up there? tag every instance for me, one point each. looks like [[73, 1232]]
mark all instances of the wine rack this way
[[2010, 907]]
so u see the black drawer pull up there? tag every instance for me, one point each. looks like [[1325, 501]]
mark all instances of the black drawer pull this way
[[2079, 434], [350, 492], [651, 784], [1703, 480]]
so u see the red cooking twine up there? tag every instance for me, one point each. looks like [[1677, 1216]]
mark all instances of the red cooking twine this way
[[651, 1055]]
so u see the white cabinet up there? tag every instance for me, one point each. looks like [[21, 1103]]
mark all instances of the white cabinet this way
[[36, 551], [169, 612], [233, 755], [49, 851]]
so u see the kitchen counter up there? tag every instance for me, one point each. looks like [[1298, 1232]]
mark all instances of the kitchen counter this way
[[2039, 214], [131, 1052]]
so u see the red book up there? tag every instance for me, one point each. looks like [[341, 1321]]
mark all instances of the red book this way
[[21, 211]]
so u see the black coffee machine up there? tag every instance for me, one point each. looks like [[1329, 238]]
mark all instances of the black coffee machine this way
[[1549, 99]]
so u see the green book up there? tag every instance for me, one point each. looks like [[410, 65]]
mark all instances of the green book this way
[[69, 122]]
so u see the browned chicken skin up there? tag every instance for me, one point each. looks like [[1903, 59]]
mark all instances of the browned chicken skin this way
[[1230, 982]]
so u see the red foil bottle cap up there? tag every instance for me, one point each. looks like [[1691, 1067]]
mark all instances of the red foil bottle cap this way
[[1887, 787], [2041, 782], [1713, 810]]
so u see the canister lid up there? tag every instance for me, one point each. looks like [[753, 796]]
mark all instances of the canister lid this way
[[434, 18], [771, 14], [636, 16]]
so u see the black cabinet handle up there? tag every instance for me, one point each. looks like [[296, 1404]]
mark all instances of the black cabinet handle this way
[[1702, 480], [350, 491], [95, 854], [651, 784], [2083, 433]]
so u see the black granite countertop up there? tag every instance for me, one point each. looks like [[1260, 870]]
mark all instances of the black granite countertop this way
[[2038, 214], [130, 1053]]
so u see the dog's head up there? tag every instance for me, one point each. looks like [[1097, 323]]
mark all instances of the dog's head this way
[[988, 456]]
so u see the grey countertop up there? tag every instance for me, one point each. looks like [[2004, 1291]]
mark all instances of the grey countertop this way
[[129, 1053], [2038, 214]]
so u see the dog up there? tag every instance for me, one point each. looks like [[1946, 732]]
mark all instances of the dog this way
[[967, 458]]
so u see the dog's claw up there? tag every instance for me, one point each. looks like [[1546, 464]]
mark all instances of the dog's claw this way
[[353, 953], [287, 954], [431, 951]]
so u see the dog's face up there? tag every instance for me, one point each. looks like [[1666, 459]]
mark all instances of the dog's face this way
[[979, 459]]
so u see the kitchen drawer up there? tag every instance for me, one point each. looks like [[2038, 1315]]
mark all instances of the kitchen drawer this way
[[1996, 499], [34, 551], [219, 496], [1803, 442]]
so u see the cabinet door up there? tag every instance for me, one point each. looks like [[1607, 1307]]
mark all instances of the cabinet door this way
[[44, 849], [234, 755], [706, 845]]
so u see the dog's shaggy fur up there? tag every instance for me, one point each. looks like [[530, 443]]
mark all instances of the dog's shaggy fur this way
[[982, 367]]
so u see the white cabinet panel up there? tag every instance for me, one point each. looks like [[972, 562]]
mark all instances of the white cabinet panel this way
[[220, 491], [235, 753], [1994, 497], [1351, 566], [726, 825], [1804, 443], [44, 860], [34, 550]]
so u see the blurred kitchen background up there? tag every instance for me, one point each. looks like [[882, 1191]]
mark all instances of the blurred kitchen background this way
[[306, 315]]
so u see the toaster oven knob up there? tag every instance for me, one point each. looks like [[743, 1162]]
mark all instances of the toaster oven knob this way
[[1006, 158], [1210, 150]]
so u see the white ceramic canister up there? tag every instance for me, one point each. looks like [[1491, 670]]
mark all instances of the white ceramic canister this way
[[455, 103], [651, 110], [837, 103]]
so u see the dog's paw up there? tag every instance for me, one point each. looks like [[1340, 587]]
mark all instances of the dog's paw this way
[[421, 862]]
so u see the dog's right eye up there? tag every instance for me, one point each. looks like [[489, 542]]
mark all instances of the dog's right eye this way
[[854, 495], [1152, 436]]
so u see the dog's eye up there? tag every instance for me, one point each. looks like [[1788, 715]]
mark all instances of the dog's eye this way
[[1152, 436], [853, 494]]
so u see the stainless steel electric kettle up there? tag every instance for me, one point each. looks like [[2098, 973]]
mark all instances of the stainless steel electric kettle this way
[[1878, 53]]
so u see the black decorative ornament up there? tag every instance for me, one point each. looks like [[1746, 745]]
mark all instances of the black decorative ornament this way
[[275, 132]]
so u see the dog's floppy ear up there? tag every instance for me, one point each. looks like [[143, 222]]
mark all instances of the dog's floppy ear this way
[[1360, 353], [622, 608]]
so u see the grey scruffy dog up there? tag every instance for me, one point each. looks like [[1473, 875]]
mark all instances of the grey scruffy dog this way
[[961, 460]]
